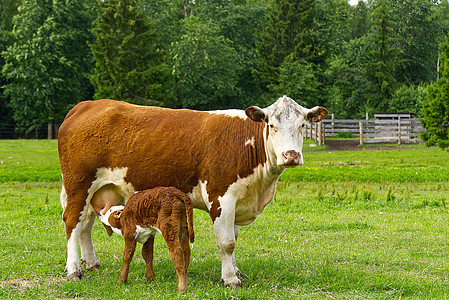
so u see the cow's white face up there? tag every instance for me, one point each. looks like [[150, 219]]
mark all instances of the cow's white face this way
[[285, 121]]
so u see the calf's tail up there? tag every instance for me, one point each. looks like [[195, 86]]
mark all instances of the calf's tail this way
[[189, 212]]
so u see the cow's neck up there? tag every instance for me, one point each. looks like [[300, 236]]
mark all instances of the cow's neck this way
[[257, 191]]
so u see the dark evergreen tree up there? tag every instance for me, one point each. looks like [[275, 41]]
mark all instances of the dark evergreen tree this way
[[128, 55], [417, 37], [382, 60], [289, 29]]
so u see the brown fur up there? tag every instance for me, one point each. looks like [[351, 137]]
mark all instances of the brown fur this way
[[166, 209], [160, 147]]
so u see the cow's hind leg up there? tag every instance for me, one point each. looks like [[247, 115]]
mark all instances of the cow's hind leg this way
[[87, 247], [74, 216]]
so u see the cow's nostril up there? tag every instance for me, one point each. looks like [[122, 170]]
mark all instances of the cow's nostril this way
[[291, 157], [291, 153]]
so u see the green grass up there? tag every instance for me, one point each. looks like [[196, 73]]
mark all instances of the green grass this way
[[346, 225]]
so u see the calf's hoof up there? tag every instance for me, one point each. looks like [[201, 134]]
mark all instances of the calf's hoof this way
[[122, 280]]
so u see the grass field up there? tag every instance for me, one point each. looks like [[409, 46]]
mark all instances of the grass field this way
[[367, 224]]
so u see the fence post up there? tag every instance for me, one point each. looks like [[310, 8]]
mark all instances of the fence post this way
[[332, 124], [399, 130], [49, 130], [310, 131], [361, 132], [320, 133]]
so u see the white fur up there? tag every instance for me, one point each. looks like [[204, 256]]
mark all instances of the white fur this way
[[104, 218], [142, 234], [230, 113], [250, 142]]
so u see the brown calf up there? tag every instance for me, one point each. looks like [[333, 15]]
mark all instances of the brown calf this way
[[164, 209]]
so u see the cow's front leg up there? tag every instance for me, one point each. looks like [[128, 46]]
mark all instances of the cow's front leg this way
[[225, 237], [234, 263]]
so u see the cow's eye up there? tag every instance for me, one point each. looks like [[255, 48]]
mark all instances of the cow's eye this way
[[272, 127]]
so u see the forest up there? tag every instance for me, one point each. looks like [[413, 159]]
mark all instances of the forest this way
[[376, 56]]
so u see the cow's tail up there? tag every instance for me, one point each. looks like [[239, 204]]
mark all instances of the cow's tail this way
[[189, 212]]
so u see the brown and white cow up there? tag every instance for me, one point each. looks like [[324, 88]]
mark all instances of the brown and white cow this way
[[228, 162]]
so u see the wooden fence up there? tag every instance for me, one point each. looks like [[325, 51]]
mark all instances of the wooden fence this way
[[400, 131]]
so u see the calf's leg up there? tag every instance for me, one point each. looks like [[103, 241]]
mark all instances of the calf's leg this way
[[128, 253], [147, 253], [177, 256]]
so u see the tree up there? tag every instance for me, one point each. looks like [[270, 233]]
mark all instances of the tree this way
[[238, 21], [408, 99], [205, 66], [382, 60], [417, 37], [289, 30], [298, 80], [7, 11], [48, 65], [129, 58], [435, 108]]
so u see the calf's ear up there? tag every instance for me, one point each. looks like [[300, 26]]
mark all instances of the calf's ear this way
[[317, 114], [108, 229], [256, 114], [114, 219]]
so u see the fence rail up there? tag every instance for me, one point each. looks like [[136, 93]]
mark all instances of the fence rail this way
[[369, 131]]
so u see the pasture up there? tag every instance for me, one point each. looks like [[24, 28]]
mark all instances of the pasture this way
[[346, 225]]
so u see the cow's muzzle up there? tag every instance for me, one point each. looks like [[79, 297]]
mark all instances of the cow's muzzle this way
[[291, 158]]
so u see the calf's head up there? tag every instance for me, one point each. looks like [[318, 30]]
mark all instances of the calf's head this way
[[111, 219], [285, 124]]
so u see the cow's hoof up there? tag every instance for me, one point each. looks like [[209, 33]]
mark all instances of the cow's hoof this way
[[233, 283], [76, 276], [94, 267]]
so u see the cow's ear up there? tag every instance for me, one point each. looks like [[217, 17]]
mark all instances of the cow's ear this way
[[317, 114], [256, 114]]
